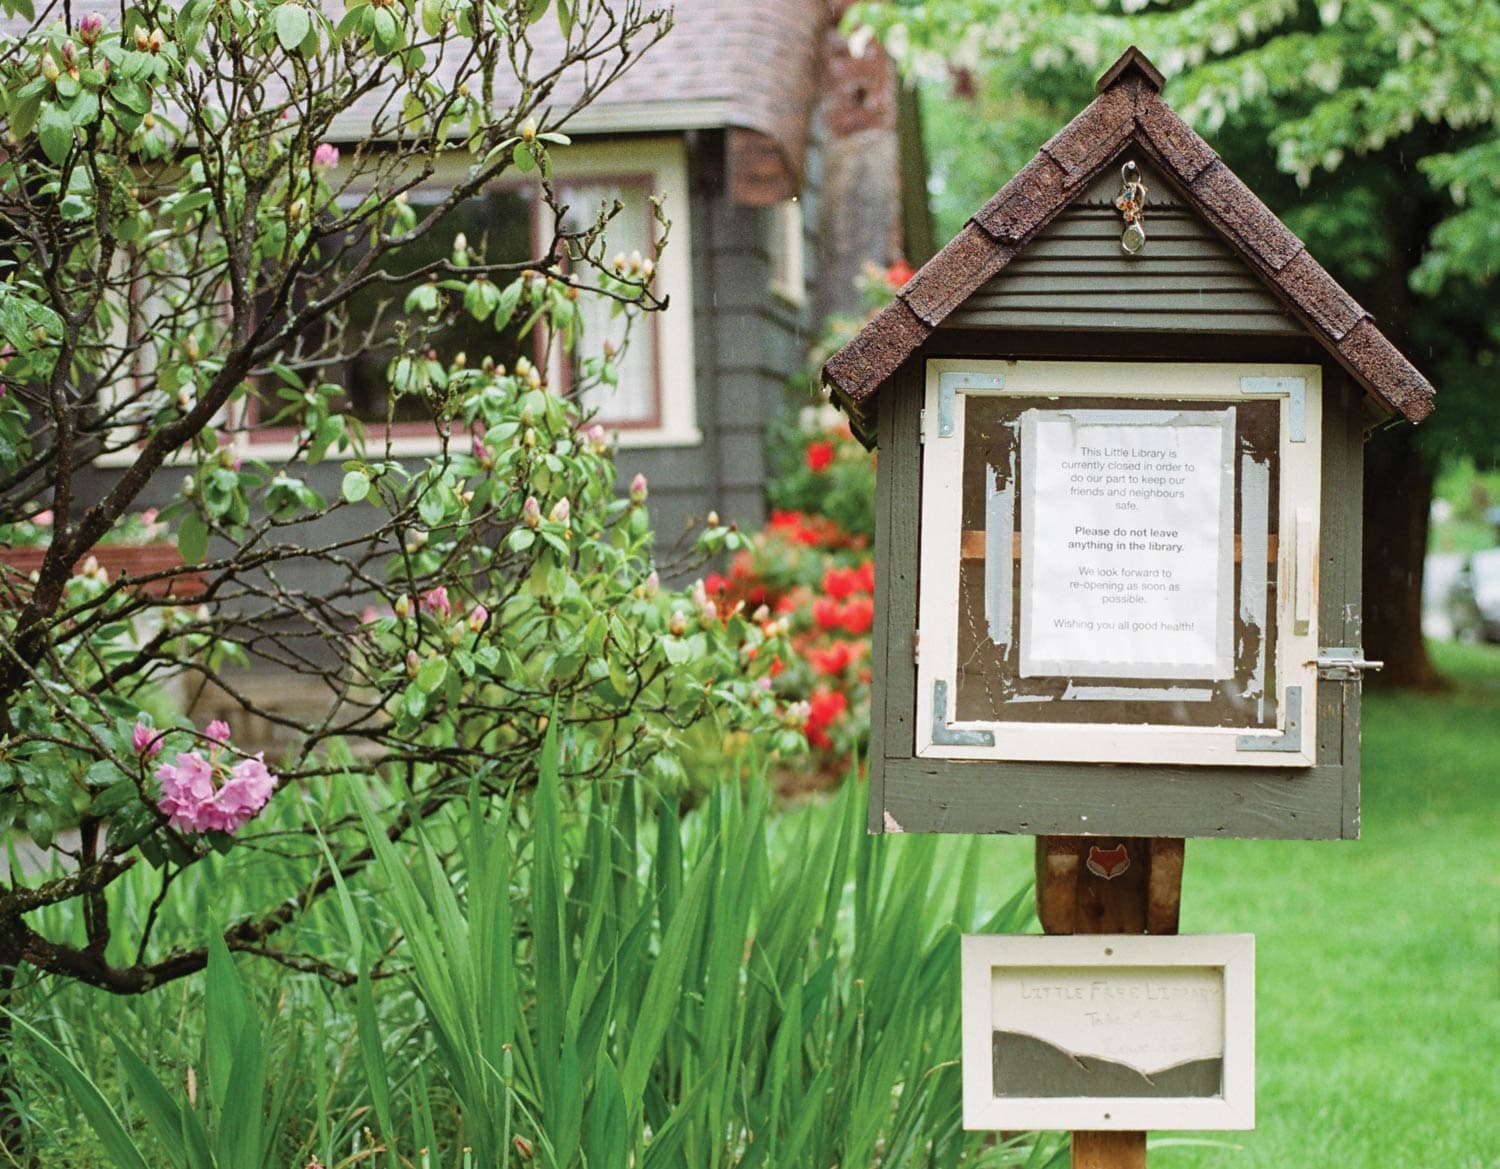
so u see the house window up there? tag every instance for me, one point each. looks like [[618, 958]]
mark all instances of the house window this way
[[788, 255], [634, 401], [654, 402]]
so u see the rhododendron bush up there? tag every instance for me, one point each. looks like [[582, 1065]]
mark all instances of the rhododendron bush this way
[[183, 238]]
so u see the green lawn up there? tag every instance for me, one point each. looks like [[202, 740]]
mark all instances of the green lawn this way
[[1378, 960]]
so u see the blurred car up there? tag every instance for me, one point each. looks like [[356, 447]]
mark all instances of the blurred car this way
[[1474, 598]]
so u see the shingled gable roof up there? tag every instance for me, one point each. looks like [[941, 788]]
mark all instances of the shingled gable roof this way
[[1128, 111]]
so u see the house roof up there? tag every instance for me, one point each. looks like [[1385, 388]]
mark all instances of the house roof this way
[[1128, 111], [751, 68]]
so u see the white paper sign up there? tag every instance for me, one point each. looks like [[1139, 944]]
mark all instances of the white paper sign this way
[[1127, 543]]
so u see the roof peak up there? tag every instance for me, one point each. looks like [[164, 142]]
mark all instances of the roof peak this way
[[1131, 59]]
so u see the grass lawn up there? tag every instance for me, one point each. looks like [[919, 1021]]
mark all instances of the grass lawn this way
[[1377, 960]]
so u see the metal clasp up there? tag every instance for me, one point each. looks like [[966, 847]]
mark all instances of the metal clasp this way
[[1342, 664]]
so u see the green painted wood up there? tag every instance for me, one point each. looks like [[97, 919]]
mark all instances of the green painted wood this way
[[1063, 799], [880, 630], [901, 431], [1074, 275], [1353, 493]]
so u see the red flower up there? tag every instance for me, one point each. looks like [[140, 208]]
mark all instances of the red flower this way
[[834, 660], [826, 707], [841, 583], [819, 456], [867, 576], [899, 273], [776, 665], [858, 615], [714, 584], [826, 613]]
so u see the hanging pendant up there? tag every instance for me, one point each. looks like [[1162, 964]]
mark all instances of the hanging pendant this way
[[1131, 203]]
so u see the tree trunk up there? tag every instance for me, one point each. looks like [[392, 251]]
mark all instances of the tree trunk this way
[[1398, 496]]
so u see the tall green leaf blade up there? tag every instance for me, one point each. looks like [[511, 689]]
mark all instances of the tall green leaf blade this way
[[164, 1116], [659, 1004], [549, 935]]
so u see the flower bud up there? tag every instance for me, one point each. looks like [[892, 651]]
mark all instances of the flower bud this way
[[460, 247], [90, 28], [528, 130], [699, 594], [653, 583], [708, 615], [460, 360], [69, 56], [478, 615], [677, 625], [638, 489], [297, 210], [531, 512], [413, 663], [560, 511], [713, 519], [761, 615], [155, 41], [618, 263], [190, 347], [141, 39], [49, 67], [403, 606], [648, 268]]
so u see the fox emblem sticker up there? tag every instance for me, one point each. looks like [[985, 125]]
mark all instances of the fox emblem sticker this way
[[1108, 863]]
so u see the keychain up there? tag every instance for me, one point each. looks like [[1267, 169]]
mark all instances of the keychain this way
[[1132, 204]]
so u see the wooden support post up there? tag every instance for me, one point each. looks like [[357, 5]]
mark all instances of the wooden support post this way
[[1107, 885]]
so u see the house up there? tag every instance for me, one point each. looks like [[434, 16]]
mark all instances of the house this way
[[741, 116]]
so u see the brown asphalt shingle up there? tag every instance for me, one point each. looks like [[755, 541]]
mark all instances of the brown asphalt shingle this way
[[1128, 108]]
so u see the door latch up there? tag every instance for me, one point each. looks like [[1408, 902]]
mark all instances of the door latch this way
[[1341, 664]]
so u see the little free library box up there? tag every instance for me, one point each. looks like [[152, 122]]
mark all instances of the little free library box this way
[[1121, 421]]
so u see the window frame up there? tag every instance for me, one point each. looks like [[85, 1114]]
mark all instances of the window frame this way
[[1297, 388]]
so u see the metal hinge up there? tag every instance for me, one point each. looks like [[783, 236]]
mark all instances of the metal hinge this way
[[1341, 664], [916, 645]]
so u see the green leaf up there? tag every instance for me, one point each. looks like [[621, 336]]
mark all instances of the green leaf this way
[[112, 798], [192, 538], [55, 131], [432, 507], [522, 158], [386, 31], [356, 486], [292, 26], [431, 674]]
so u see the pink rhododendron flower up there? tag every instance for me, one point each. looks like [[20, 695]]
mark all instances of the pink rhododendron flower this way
[[325, 156], [146, 740], [200, 796], [478, 615], [436, 601], [43, 519], [218, 731], [90, 27]]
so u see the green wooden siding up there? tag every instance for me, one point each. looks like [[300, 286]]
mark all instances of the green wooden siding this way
[[1074, 275]]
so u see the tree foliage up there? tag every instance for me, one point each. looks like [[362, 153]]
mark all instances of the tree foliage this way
[[1370, 127], [188, 220]]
